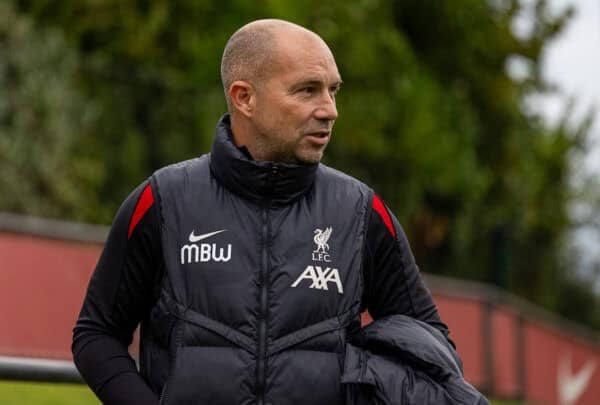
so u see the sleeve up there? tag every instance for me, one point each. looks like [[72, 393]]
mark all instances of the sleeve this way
[[393, 283], [120, 293]]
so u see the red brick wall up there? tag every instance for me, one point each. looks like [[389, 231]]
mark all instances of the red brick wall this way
[[464, 318], [42, 283]]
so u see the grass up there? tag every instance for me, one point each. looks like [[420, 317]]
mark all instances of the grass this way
[[19, 393]]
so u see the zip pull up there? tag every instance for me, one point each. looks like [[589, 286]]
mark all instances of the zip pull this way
[[271, 182]]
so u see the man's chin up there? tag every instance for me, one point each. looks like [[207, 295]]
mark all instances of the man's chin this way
[[309, 158]]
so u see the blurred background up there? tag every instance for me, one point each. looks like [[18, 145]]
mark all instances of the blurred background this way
[[473, 119]]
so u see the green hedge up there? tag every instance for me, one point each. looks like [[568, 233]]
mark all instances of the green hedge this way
[[19, 393]]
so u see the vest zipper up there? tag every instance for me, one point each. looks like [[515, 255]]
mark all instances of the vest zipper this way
[[261, 367], [262, 324]]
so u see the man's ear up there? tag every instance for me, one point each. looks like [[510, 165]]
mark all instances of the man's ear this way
[[242, 97]]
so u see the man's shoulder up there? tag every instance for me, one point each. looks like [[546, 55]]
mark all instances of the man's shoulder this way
[[175, 170], [180, 176], [335, 176]]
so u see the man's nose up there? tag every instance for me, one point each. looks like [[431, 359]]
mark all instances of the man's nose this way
[[326, 110]]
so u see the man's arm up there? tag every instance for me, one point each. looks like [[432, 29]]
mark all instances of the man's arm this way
[[393, 284], [119, 295]]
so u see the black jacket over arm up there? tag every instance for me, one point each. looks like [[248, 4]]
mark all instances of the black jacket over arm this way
[[401, 360]]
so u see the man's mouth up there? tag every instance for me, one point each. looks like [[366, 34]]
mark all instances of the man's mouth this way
[[319, 137]]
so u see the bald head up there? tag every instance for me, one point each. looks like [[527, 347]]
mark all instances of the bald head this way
[[252, 49]]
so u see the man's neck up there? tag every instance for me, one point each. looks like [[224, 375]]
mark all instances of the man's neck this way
[[239, 131], [242, 133]]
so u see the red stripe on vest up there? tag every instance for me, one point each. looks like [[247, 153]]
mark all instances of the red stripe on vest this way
[[143, 205], [384, 214]]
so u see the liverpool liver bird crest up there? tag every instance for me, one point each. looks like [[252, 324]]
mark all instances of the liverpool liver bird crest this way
[[321, 238]]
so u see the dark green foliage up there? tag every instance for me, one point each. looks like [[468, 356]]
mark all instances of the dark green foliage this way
[[42, 116], [429, 116]]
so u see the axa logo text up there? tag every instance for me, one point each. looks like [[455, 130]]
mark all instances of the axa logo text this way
[[320, 278]]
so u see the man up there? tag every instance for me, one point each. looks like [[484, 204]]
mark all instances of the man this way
[[248, 267]]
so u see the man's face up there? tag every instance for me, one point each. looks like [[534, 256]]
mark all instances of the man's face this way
[[295, 101]]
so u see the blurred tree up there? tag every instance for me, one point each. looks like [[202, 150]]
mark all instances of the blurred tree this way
[[517, 219], [41, 114], [429, 115]]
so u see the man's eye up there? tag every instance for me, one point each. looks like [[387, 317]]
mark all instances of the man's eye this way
[[307, 90]]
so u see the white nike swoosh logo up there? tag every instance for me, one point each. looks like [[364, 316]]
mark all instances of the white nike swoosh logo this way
[[196, 238], [572, 385]]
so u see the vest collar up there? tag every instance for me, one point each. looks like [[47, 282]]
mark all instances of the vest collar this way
[[261, 182]]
